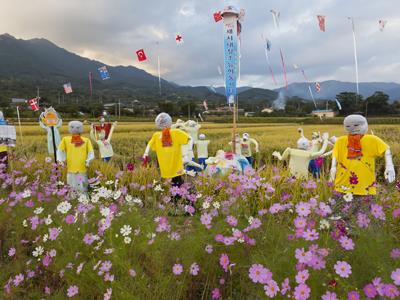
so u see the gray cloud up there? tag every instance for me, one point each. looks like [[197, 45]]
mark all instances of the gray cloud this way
[[112, 31]]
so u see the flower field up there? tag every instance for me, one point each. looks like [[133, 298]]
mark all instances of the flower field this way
[[259, 235]]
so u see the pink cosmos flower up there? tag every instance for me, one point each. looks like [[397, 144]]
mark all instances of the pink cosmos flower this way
[[310, 235], [370, 291], [343, 269], [105, 266], [363, 220], [395, 253], [177, 269], [18, 279], [329, 296], [377, 212], [11, 252], [302, 292], [224, 261], [271, 288], [258, 273], [303, 256], [396, 276], [216, 294], [346, 243], [302, 276], [72, 291], [70, 219], [194, 269], [396, 213], [88, 238], [285, 286], [53, 233], [303, 209], [391, 291], [300, 222], [232, 221], [353, 295]]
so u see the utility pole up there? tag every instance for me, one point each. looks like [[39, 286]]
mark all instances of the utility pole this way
[[119, 108]]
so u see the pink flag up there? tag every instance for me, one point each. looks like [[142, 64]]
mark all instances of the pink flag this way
[[67, 88], [321, 21], [317, 87]]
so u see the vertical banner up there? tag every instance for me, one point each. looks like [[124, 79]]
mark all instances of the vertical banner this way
[[355, 53], [230, 56]]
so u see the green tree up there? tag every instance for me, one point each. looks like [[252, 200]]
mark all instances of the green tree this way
[[350, 102], [377, 104]]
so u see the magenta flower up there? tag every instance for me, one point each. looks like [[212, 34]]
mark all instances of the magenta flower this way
[[72, 291], [194, 269], [346, 243], [370, 291], [224, 261], [232, 221], [302, 276], [285, 286], [177, 269], [353, 295], [215, 293], [329, 296], [18, 279], [300, 222], [88, 238], [363, 220], [258, 273], [353, 178], [302, 292], [377, 212], [343, 269], [395, 253], [70, 219], [53, 233], [271, 288], [396, 276], [310, 235], [303, 256]]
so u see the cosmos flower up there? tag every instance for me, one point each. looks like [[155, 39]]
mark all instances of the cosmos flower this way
[[72, 291], [177, 269], [258, 273], [343, 269]]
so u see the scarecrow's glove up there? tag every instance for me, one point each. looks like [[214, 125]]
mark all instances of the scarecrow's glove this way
[[390, 174], [146, 152], [90, 157], [332, 175], [325, 136]]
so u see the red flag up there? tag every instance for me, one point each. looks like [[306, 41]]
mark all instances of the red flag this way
[[321, 21], [317, 87], [179, 39], [141, 55], [217, 16], [34, 103]]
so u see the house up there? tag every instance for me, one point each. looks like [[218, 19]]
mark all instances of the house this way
[[268, 110], [323, 113]]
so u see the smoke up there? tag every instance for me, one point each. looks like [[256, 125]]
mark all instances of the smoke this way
[[280, 102]]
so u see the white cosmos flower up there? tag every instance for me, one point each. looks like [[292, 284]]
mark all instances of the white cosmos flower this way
[[48, 220], [105, 211], [158, 188], [128, 198], [348, 197], [250, 220], [117, 194], [64, 207], [83, 199], [126, 230], [38, 251], [25, 223], [216, 205], [127, 240], [38, 211], [109, 182], [26, 193], [324, 224], [45, 237], [206, 204]]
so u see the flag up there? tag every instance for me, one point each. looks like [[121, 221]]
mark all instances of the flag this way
[[205, 105], [141, 55], [104, 73], [338, 104], [217, 16], [34, 103], [179, 39], [268, 44], [90, 83], [67, 88], [284, 69], [275, 16], [382, 24], [219, 70], [317, 87], [321, 21]]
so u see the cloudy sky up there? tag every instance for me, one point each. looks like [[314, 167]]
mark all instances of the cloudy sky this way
[[112, 30]]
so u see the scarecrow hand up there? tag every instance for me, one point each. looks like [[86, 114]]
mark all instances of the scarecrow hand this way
[[325, 136], [390, 174], [332, 175], [276, 154]]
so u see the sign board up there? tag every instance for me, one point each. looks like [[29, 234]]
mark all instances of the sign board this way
[[8, 135], [50, 117]]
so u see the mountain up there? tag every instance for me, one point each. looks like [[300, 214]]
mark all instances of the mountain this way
[[329, 89]]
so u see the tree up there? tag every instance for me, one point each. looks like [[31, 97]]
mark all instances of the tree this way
[[377, 104], [350, 102]]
